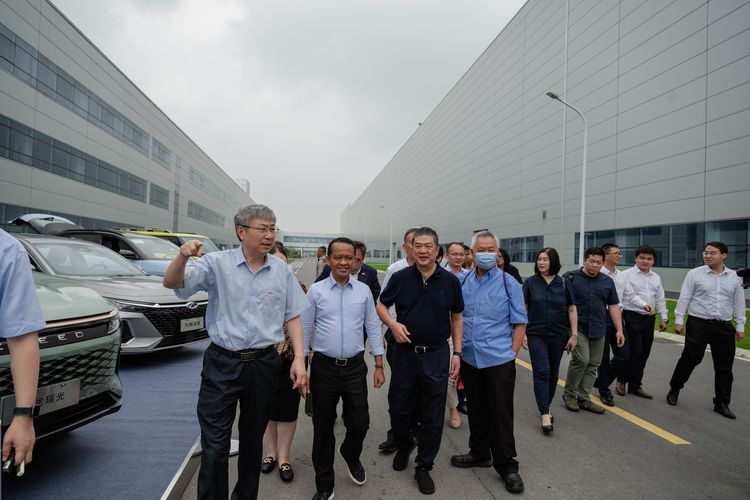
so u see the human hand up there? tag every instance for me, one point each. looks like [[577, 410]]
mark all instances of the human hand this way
[[192, 248], [379, 378], [298, 374], [572, 343], [455, 368], [663, 326], [400, 333], [678, 328], [648, 308], [620, 339], [19, 436], [739, 336]]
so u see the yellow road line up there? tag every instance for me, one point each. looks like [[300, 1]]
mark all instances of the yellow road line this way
[[654, 429]]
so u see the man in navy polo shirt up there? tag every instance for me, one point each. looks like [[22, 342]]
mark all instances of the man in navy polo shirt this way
[[592, 291], [429, 310]]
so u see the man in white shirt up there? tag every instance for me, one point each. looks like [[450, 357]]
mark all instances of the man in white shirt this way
[[610, 369], [713, 295], [639, 325], [389, 445]]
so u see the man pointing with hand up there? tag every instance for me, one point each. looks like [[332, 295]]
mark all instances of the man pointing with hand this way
[[250, 295]]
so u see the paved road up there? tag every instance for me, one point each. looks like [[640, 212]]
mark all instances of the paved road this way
[[588, 456]]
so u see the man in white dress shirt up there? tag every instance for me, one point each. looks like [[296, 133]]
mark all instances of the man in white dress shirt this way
[[639, 325], [713, 295]]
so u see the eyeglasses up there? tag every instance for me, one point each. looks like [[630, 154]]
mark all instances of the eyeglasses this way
[[615, 253], [710, 254], [262, 230]]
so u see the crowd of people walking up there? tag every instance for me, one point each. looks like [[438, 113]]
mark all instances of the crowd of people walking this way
[[460, 324]]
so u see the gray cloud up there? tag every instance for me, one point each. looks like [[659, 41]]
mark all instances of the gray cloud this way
[[306, 99]]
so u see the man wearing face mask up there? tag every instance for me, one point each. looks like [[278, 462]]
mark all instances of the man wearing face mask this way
[[494, 326]]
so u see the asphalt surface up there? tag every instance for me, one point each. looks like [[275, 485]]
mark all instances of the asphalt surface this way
[[627, 453]]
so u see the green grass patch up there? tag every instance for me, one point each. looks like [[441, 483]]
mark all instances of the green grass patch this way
[[672, 303], [380, 266]]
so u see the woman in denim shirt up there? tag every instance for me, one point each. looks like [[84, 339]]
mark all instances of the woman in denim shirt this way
[[552, 327]]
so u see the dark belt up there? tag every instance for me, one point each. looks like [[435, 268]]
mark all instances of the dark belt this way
[[245, 354], [338, 361], [712, 321], [421, 349]]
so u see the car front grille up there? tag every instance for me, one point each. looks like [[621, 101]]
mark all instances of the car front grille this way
[[167, 319], [183, 338], [92, 367]]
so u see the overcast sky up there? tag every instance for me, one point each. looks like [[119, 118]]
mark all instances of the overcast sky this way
[[307, 99]]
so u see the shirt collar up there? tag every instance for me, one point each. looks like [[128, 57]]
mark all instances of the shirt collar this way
[[333, 283], [638, 270], [708, 270], [239, 258]]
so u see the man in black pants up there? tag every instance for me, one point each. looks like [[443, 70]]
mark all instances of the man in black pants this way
[[713, 295], [250, 295], [429, 309], [339, 308]]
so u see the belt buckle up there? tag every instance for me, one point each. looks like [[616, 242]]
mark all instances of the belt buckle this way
[[247, 356], [420, 349], [341, 361]]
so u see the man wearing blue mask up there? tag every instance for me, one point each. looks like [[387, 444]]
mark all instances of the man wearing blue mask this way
[[494, 326]]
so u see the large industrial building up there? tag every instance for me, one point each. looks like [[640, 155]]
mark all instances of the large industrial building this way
[[79, 139], [665, 89]]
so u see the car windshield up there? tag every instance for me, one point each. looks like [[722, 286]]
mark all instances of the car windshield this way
[[76, 259], [154, 248], [208, 245]]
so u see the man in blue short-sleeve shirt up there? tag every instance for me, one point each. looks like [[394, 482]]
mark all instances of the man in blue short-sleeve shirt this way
[[494, 327], [429, 309], [250, 295], [20, 320], [593, 293]]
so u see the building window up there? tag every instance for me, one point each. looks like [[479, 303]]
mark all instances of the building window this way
[[208, 185], [522, 249], [160, 153], [204, 214], [35, 149], [158, 197]]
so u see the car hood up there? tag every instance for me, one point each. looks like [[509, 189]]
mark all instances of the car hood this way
[[144, 289], [63, 298]]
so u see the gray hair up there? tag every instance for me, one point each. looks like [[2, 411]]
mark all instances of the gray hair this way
[[483, 234], [247, 213]]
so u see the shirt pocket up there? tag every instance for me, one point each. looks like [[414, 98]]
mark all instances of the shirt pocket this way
[[271, 303], [495, 305]]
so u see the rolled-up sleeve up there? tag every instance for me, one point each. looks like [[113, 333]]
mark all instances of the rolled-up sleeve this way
[[372, 325], [199, 277]]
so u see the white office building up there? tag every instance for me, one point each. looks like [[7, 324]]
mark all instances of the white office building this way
[[79, 139], [665, 89]]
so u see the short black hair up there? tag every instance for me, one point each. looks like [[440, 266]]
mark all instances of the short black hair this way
[[439, 255], [607, 247], [278, 247], [408, 232], [448, 248], [647, 249], [506, 258], [339, 240], [426, 231], [322, 248], [358, 245], [593, 251], [554, 260], [723, 248]]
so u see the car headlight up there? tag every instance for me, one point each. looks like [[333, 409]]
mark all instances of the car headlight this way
[[126, 307], [114, 325]]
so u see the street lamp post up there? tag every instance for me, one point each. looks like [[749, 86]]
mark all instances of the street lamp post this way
[[390, 236], [581, 236]]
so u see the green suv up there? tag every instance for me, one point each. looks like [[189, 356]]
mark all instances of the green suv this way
[[79, 349]]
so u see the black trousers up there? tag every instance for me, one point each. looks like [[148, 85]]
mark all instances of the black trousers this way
[[419, 384], [611, 367], [490, 394], [389, 348], [720, 336], [224, 381], [639, 330], [328, 383]]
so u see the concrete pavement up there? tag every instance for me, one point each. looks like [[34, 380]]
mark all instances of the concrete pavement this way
[[627, 454]]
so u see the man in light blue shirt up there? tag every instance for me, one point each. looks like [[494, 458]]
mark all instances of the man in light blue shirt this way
[[20, 319], [494, 326], [339, 307], [250, 295]]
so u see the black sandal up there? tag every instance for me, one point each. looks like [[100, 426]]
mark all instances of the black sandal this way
[[286, 472], [267, 464]]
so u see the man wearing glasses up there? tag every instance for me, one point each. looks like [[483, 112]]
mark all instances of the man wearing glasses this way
[[250, 295], [429, 310], [712, 294], [595, 297]]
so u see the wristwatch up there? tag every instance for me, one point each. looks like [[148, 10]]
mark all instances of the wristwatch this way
[[459, 354], [26, 411]]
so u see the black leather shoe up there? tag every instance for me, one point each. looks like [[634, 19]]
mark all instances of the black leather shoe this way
[[672, 396], [401, 459], [468, 460], [388, 446], [267, 464], [424, 482], [323, 495], [286, 473], [607, 398], [356, 470], [513, 482], [724, 411]]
